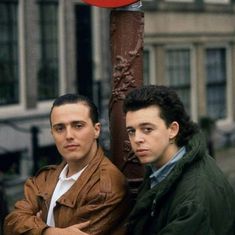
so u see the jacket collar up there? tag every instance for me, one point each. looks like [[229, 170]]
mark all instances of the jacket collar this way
[[69, 198], [148, 198]]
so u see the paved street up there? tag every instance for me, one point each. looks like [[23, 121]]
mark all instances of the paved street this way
[[226, 161]]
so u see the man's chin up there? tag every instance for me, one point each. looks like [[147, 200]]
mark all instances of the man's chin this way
[[72, 158], [145, 160]]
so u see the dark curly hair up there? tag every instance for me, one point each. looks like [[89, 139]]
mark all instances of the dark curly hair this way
[[171, 108]]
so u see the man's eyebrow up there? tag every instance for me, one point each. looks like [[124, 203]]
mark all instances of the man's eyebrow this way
[[141, 124], [77, 121], [145, 123], [72, 122], [58, 124]]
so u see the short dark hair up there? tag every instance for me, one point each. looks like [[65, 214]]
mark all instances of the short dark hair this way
[[171, 108], [75, 98]]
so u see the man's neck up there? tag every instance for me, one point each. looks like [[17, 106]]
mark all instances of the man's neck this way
[[76, 166], [168, 155]]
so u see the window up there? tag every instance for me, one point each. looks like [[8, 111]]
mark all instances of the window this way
[[48, 77], [9, 80], [178, 73], [216, 82], [146, 68], [149, 65]]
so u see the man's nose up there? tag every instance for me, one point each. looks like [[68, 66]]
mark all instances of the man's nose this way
[[138, 138], [69, 132]]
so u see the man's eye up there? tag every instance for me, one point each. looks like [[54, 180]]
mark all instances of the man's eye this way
[[147, 130], [77, 125], [130, 132], [59, 129]]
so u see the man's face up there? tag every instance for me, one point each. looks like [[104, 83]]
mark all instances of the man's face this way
[[74, 133], [150, 137]]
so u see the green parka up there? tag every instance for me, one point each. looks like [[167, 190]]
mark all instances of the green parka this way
[[194, 199]]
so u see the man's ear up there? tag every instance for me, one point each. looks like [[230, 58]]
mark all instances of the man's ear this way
[[97, 127], [174, 129]]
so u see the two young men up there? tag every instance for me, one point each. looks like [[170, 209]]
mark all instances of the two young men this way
[[85, 194], [184, 192]]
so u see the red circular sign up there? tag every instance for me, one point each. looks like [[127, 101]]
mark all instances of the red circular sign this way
[[110, 3]]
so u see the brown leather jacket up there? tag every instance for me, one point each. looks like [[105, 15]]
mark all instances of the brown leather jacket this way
[[99, 195]]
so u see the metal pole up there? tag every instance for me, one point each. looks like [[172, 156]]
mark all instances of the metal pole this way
[[127, 30]]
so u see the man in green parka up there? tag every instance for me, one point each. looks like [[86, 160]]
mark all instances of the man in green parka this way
[[184, 192]]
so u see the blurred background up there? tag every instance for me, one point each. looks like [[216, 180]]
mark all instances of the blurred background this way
[[52, 47]]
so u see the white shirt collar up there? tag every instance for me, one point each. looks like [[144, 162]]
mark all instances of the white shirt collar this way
[[73, 177]]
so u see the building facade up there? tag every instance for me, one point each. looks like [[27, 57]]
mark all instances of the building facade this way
[[189, 45], [47, 48]]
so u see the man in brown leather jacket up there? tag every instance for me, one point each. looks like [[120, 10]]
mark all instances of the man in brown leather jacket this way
[[85, 194]]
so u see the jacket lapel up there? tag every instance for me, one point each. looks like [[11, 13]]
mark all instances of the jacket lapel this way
[[69, 198]]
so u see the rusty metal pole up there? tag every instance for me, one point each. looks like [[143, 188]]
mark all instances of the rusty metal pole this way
[[126, 33], [127, 30]]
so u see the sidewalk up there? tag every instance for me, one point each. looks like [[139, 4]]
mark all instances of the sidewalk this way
[[225, 159]]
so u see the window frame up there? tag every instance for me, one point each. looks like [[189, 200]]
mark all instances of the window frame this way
[[14, 59], [152, 68], [41, 41], [228, 79], [20, 110], [192, 91]]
